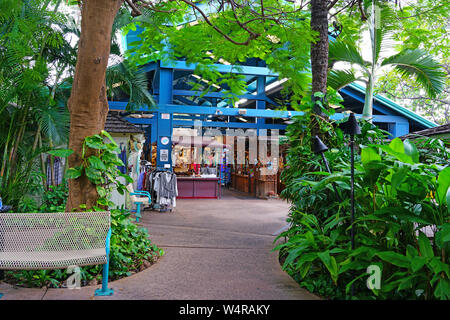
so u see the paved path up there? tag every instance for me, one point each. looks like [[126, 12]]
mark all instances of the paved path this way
[[215, 249]]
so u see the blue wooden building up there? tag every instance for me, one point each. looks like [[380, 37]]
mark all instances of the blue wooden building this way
[[178, 106]]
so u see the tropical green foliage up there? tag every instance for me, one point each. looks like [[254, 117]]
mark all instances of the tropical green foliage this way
[[131, 247], [282, 40], [422, 25], [37, 61], [410, 63], [402, 215], [33, 120], [100, 163]]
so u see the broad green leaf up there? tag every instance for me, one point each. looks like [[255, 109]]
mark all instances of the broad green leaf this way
[[411, 251], [74, 173], [368, 155], [330, 263], [425, 247], [106, 134], [399, 155], [398, 177], [96, 163], [407, 283], [349, 285], [411, 150], [95, 142], [397, 145], [417, 263], [443, 235], [438, 266], [101, 191], [442, 290], [394, 258], [443, 186], [448, 200]]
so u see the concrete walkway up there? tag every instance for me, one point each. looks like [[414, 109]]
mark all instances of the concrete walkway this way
[[214, 249]]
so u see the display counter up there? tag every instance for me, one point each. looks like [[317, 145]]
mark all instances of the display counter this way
[[240, 182], [198, 187]]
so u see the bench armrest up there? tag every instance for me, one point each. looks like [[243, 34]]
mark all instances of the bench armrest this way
[[146, 193], [142, 195]]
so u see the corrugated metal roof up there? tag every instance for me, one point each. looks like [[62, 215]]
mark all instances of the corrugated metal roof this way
[[115, 124]]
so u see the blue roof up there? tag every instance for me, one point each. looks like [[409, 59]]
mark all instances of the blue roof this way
[[396, 107]]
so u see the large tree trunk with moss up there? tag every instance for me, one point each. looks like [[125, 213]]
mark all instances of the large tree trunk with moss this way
[[88, 103]]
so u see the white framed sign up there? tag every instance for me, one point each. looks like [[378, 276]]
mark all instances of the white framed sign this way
[[164, 155]]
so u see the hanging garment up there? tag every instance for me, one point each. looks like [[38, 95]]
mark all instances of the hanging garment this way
[[165, 186], [140, 181], [123, 157]]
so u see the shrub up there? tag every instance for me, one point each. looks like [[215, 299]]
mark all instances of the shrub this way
[[402, 217]]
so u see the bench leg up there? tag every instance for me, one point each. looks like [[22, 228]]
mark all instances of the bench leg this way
[[138, 211], [2, 276], [104, 291]]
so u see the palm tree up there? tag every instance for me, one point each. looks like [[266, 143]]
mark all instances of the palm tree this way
[[416, 63]]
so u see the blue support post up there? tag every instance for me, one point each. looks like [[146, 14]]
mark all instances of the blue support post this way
[[165, 124], [260, 104], [398, 129], [105, 291]]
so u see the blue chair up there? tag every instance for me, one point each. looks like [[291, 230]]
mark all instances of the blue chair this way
[[139, 198]]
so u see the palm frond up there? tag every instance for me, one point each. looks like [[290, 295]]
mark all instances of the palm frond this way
[[344, 51], [54, 122], [382, 28], [337, 79], [123, 78], [420, 65]]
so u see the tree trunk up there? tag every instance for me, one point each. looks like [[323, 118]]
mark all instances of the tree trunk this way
[[319, 59], [368, 103], [88, 103], [319, 49]]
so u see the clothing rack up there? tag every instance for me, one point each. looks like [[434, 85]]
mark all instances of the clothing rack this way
[[162, 185]]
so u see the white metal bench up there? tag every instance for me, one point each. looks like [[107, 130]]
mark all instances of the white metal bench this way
[[36, 241]]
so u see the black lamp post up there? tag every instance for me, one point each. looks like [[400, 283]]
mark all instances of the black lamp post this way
[[319, 147], [352, 128]]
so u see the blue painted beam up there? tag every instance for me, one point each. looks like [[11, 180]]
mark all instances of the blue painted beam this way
[[214, 94], [376, 118], [223, 68], [263, 113], [219, 124]]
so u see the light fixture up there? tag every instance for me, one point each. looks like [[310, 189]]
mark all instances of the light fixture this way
[[352, 128], [318, 147]]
